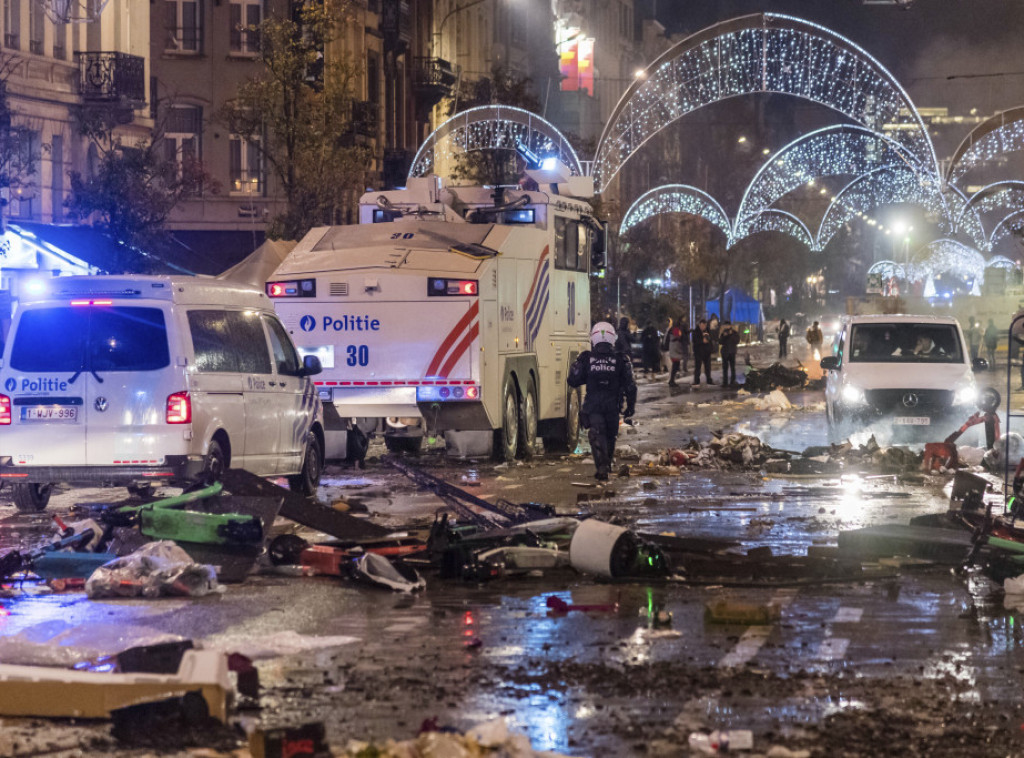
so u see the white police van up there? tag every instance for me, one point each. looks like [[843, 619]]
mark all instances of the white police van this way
[[132, 380], [912, 372]]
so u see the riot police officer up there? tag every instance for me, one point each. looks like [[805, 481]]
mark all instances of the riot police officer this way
[[608, 376]]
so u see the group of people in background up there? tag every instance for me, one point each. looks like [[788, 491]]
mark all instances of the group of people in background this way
[[679, 342]]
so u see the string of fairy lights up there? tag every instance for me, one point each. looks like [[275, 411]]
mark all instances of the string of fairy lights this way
[[676, 198]]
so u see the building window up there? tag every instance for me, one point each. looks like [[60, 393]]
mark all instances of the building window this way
[[246, 167], [60, 41], [36, 16], [246, 16], [183, 26], [183, 141], [12, 23]]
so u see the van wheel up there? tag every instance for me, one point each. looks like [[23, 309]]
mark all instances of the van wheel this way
[[403, 444], [528, 423], [508, 435], [213, 467], [32, 498], [307, 480]]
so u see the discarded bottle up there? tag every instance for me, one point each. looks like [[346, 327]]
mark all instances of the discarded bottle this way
[[722, 741]]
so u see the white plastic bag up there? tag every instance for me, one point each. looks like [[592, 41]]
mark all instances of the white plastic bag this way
[[155, 569]]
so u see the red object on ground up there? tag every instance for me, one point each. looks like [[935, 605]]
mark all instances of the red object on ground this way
[[557, 605], [939, 455]]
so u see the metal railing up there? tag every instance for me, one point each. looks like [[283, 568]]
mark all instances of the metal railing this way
[[112, 77]]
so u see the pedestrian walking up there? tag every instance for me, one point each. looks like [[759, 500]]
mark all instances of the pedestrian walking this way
[[624, 338], [783, 331], [608, 377], [729, 342], [814, 339], [678, 348], [974, 338], [702, 349], [991, 341], [650, 345]]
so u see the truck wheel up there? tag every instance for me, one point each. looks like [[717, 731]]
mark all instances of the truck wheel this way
[[508, 435], [528, 423], [565, 437], [32, 498], [404, 444], [308, 479]]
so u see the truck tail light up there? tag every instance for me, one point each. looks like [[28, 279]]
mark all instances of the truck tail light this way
[[295, 288], [179, 408], [437, 287], [5, 410]]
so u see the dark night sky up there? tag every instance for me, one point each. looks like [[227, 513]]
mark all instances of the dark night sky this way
[[921, 46]]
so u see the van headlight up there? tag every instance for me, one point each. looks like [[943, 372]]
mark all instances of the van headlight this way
[[853, 395], [966, 396]]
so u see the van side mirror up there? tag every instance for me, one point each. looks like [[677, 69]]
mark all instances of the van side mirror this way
[[829, 363], [599, 248], [310, 366]]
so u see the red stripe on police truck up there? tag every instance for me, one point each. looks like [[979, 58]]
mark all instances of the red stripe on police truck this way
[[458, 352], [453, 335]]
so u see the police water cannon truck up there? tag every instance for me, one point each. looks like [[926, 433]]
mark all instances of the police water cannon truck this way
[[449, 310]]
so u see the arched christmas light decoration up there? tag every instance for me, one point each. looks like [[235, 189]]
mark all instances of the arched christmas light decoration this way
[[1001, 261], [760, 53], [676, 198], [777, 220], [1014, 222], [888, 185], [962, 221], [948, 256], [492, 127], [887, 269], [999, 198], [1002, 133], [842, 150]]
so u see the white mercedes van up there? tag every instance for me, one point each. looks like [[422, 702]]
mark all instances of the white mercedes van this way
[[913, 371], [133, 380]]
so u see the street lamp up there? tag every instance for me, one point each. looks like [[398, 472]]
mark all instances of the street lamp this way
[[448, 15]]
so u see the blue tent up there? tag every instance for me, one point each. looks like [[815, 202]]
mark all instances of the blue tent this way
[[738, 307]]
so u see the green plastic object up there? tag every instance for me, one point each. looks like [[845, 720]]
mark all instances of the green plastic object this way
[[195, 526], [168, 519]]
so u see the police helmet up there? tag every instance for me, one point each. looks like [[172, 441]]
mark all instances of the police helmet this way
[[602, 332]]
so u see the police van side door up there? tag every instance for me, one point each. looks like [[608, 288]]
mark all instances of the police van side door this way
[[294, 397]]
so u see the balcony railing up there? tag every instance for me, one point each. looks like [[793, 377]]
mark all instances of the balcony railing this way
[[112, 77], [433, 79]]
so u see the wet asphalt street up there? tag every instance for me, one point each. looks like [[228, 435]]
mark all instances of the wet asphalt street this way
[[920, 662]]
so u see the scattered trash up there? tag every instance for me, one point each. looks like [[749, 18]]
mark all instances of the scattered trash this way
[[721, 741], [64, 693], [613, 552], [155, 569], [490, 738], [775, 400], [776, 375], [289, 742], [378, 571]]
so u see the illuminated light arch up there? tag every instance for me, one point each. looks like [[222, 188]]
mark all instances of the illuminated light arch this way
[[1009, 224], [676, 198], [759, 53], [888, 269], [888, 185], [1005, 198], [493, 127], [842, 150], [963, 220], [777, 220], [1002, 133], [1001, 261], [948, 255]]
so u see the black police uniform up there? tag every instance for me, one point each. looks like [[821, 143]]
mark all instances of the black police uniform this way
[[608, 376]]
